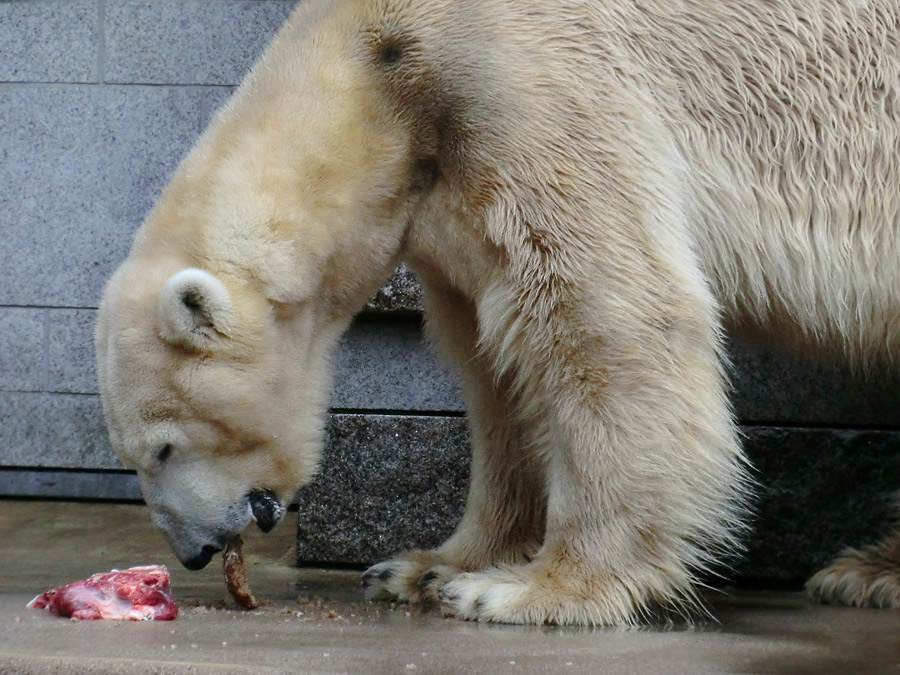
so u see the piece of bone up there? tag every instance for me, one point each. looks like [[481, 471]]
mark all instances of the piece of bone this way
[[236, 575]]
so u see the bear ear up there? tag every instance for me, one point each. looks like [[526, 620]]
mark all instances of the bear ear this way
[[195, 310]]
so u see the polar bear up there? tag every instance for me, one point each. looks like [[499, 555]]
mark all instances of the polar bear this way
[[591, 191]]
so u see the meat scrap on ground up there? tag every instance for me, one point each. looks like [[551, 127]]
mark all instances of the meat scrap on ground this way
[[135, 594]]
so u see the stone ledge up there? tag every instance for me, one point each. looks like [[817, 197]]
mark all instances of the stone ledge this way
[[383, 363], [391, 483], [773, 386], [62, 431], [71, 485], [22, 350], [770, 385]]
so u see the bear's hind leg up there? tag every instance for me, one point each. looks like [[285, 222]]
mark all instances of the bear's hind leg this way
[[867, 577], [504, 516]]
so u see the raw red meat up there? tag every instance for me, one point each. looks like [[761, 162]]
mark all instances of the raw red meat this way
[[136, 594]]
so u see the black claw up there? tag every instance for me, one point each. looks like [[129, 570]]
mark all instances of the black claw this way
[[369, 576], [448, 597], [480, 603], [427, 578]]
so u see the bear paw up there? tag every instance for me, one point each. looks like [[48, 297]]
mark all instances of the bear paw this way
[[859, 578], [522, 595], [414, 577]]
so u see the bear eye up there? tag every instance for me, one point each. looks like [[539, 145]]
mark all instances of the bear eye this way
[[424, 174], [164, 453], [390, 53]]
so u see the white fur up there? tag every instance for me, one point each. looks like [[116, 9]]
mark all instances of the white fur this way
[[591, 191]]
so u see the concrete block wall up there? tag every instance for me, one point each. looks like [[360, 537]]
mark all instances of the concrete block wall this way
[[99, 99]]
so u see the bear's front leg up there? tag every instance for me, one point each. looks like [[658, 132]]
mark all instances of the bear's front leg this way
[[643, 467], [503, 522]]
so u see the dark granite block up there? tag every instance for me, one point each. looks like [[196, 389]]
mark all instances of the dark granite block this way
[[402, 295], [773, 385], [820, 490], [387, 483]]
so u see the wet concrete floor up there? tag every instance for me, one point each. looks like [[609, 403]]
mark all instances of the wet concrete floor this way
[[315, 621]]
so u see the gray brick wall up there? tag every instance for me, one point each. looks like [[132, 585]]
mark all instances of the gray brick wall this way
[[99, 99]]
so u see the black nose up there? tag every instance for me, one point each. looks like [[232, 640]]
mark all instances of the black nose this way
[[203, 559], [267, 509]]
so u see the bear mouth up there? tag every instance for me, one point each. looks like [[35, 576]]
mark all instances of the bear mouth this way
[[203, 559], [266, 509]]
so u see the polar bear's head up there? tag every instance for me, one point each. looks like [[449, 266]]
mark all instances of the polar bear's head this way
[[214, 337], [214, 395]]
